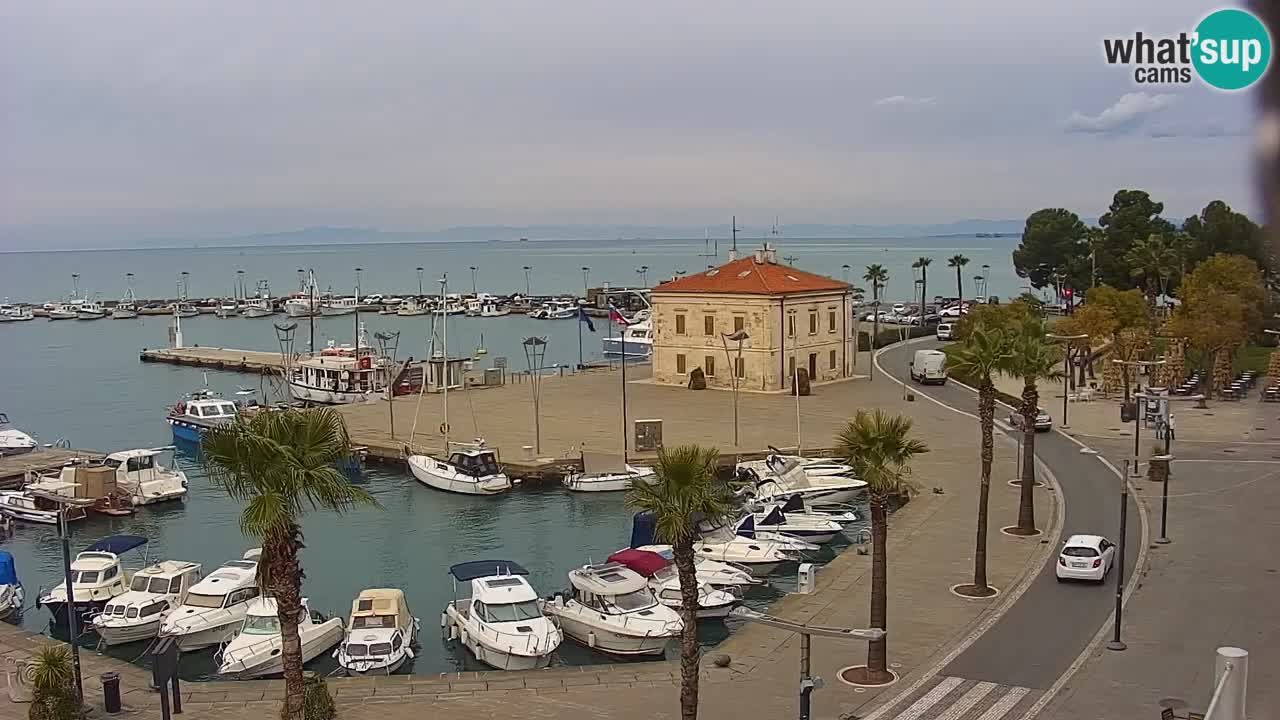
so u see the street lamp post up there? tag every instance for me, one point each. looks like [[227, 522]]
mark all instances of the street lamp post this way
[[528, 284], [643, 270], [388, 342], [1138, 408], [738, 336], [419, 282], [473, 280], [585, 288], [1066, 367], [1116, 643], [535, 351]]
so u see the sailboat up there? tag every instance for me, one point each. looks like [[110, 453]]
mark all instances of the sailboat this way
[[127, 308], [472, 469]]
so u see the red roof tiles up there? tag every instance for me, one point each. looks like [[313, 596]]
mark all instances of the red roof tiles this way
[[747, 277]]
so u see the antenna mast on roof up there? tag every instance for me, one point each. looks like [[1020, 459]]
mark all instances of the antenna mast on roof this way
[[733, 252]]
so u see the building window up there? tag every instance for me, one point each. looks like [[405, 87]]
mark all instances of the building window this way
[[813, 366], [741, 366], [813, 323], [831, 321], [709, 325], [831, 360], [709, 366], [680, 367], [791, 325], [791, 367], [739, 322], [679, 324]]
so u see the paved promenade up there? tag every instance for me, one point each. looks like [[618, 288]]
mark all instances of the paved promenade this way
[[930, 549]]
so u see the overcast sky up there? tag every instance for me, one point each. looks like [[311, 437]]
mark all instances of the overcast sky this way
[[198, 118]]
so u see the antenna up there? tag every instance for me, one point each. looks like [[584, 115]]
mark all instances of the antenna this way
[[733, 252]]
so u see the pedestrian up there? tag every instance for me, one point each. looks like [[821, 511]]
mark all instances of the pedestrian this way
[[1169, 427]]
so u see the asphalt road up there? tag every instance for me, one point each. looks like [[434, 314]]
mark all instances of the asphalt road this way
[[1042, 634]]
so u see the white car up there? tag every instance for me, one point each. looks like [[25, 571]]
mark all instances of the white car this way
[[899, 308], [945, 331], [1044, 421], [1085, 557]]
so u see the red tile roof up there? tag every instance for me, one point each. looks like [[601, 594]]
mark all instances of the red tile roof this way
[[747, 277]]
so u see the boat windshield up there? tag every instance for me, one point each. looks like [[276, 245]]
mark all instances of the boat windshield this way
[[364, 622], [156, 585], [380, 649], [261, 625], [204, 601], [357, 650], [638, 600], [512, 612]]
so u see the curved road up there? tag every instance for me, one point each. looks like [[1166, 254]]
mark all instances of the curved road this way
[[1039, 638]]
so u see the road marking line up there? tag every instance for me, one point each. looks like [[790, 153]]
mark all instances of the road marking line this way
[[1055, 531], [968, 700], [930, 698], [1005, 704]]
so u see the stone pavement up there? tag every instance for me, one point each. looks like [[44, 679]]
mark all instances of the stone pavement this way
[[930, 549]]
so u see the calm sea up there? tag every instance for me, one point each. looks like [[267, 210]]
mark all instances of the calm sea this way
[[82, 382]]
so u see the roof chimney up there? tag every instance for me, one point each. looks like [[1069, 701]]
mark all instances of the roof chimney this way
[[770, 254], [759, 257]]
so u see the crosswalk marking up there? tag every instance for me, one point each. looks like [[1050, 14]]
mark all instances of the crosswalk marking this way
[[930, 698], [1005, 704], [968, 700]]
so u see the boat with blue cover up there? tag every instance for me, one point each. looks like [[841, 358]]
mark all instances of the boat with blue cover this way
[[97, 576], [11, 592]]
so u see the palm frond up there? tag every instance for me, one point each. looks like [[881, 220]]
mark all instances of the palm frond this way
[[880, 448], [684, 488]]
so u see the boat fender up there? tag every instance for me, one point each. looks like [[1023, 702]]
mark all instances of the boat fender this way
[[591, 639], [559, 601], [462, 635], [444, 619]]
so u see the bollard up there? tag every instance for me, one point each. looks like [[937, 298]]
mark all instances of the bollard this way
[[1230, 683], [111, 692], [807, 582]]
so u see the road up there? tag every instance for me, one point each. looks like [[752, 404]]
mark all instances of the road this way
[[1039, 638]]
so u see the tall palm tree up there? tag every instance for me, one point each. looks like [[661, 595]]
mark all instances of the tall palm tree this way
[[280, 465], [958, 262], [984, 352], [878, 277], [1031, 359], [880, 448], [1152, 261], [684, 486], [922, 264]]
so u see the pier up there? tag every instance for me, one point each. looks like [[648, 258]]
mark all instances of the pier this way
[[14, 468], [254, 361]]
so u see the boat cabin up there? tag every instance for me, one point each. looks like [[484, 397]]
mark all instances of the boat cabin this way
[[476, 462], [340, 369], [153, 590], [230, 584], [499, 591], [380, 624], [612, 589], [96, 573], [216, 409]]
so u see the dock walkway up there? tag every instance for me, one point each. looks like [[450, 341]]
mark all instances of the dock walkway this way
[[255, 361], [13, 469]]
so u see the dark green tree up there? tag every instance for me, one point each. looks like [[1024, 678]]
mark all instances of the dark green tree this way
[[1133, 216], [1219, 229], [1051, 240]]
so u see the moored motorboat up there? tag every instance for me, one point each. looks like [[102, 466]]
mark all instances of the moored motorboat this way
[[12, 440], [555, 310], [256, 308], [153, 593], [500, 621], [809, 528], [715, 573], [472, 469], [256, 650], [610, 608], [12, 594], [35, 504], [91, 310], [339, 306], [664, 580], [410, 307], [605, 481], [97, 576], [16, 313], [784, 477], [637, 339], [214, 608], [189, 419], [759, 556], [340, 374], [380, 633], [63, 311]]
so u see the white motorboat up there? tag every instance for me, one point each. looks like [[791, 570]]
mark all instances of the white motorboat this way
[[759, 556], [91, 310], [712, 572], [256, 308], [613, 610], [493, 309], [339, 306], [97, 576], [637, 339], [664, 580], [555, 310], [501, 621], [64, 311], [256, 650], [153, 593], [12, 594], [189, 419], [819, 530], [301, 306], [471, 470], [227, 308], [185, 310], [32, 504], [124, 310], [16, 313], [784, 478], [813, 467], [745, 528], [214, 608], [340, 374], [145, 480], [795, 505], [410, 307], [12, 440], [606, 481], [380, 633]]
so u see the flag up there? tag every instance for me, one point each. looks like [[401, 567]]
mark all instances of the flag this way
[[583, 317], [616, 316]]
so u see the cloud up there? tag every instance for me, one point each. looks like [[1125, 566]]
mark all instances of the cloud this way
[[1128, 113], [904, 100]]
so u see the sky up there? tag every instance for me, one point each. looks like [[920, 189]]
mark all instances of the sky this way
[[129, 119]]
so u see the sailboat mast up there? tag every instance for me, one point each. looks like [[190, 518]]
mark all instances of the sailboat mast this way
[[311, 310], [444, 366]]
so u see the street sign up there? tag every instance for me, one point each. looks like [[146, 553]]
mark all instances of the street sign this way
[[500, 362]]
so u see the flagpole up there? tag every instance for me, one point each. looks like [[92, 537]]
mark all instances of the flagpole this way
[[624, 399], [581, 312]]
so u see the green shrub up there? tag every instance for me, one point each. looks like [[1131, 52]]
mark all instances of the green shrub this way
[[317, 704], [54, 686]]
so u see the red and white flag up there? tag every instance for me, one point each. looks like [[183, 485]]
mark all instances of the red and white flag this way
[[616, 316]]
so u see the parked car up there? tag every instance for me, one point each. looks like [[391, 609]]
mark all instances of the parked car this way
[[944, 331], [954, 311], [1085, 557], [899, 308], [1044, 422]]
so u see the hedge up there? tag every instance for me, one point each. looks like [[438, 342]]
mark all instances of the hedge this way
[[889, 336]]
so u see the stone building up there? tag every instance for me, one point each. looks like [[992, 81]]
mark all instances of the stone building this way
[[791, 319]]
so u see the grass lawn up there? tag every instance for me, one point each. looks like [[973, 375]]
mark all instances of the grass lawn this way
[[1253, 357]]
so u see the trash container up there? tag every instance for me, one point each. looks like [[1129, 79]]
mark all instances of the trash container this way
[[111, 692]]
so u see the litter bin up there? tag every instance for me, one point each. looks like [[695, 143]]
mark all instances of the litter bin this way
[[111, 692]]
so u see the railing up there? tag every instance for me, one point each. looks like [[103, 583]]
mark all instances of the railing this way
[[528, 643]]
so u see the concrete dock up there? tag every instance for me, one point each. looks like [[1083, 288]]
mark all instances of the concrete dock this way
[[13, 469], [254, 361]]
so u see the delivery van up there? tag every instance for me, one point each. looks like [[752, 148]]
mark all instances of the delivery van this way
[[929, 366]]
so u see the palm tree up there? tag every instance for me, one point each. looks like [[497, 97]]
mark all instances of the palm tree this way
[[878, 277], [880, 448], [958, 262], [1153, 261], [684, 487], [922, 264], [280, 465], [984, 352], [1033, 360]]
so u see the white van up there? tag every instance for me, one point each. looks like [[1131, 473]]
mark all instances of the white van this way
[[929, 366], [945, 331]]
